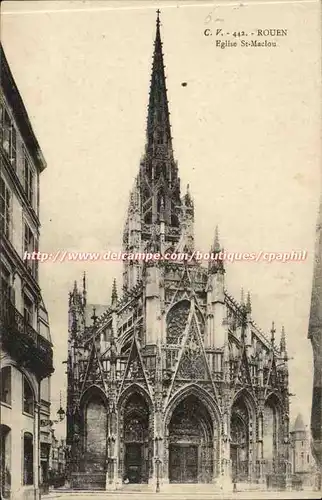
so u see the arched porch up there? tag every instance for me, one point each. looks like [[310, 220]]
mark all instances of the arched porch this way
[[242, 441], [135, 438], [94, 413], [191, 439]]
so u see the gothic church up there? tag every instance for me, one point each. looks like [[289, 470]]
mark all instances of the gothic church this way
[[173, 382]]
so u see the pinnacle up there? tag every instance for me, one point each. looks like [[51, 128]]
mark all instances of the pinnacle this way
[[273, 331], [248, 303], [216, 245], [114, 293], [283, 341]]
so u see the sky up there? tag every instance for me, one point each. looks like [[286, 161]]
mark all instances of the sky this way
[[246, 136]]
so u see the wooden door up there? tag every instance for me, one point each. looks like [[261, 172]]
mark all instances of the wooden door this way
[[133, 462], [183, 464]]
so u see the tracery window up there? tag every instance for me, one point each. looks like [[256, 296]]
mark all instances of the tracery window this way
[[134, 431], [176, 321]]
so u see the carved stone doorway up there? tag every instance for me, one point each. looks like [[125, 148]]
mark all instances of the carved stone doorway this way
[[136, 441], [191, 450], [239, 446]]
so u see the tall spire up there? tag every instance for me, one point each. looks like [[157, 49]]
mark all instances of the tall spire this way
[[158, 123]]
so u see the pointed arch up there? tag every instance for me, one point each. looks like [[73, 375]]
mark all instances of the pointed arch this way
[[135, 411], [94, 423], [91, 391], [243, 417], [274, 397], [192, 436], [129, 391], [249, 399], [272, 429], [200, 393]]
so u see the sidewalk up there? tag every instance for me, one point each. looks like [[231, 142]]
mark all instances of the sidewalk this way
[[182, 495]]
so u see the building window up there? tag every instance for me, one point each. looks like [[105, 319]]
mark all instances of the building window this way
[[29, 248], [5, 385], [28, 398], [28, 310], [13, 147], [308, 459], [5, 284], [9, 137], [5, 209], [28, 179], [28, 453], [6, 127]]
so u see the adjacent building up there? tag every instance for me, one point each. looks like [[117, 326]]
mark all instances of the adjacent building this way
[[26, 353], [173, 382], [315, 336], [57, 462], [304, 467]]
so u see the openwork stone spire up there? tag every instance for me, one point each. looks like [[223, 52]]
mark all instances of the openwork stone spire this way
[[158, 123], [159, 181]]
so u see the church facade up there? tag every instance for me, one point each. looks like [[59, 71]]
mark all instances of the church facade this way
[[173, 382]]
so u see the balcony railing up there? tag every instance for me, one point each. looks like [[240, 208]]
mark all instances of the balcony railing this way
[[23, 341]]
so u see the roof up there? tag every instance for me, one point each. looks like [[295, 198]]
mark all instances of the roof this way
[[14, 99], [299, 423]]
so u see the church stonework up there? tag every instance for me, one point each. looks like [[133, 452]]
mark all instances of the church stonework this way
[[174, 382]]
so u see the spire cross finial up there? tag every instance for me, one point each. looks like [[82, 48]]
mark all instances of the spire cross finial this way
[[158, 17]]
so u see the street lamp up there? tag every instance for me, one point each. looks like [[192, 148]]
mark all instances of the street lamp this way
[[158, 439], [61, 414]]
